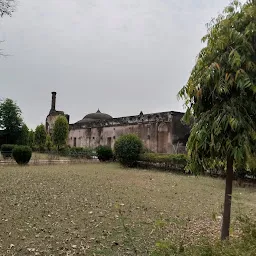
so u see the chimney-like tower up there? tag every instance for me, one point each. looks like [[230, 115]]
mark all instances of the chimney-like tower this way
[[53, 101]]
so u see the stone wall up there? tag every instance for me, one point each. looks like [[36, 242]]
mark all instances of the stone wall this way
[[160, 132]]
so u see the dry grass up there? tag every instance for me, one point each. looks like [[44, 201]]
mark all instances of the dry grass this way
[[102, 209]]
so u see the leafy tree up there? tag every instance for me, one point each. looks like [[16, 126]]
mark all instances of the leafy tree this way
[[10, 120], [60, 131], [48, 143], [220, 96], [24, 136], [40, 136], [31, 138]]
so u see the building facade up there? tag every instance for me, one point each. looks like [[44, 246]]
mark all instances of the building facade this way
[[161, 132]]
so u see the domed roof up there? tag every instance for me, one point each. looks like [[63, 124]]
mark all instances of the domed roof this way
[[95, 117]]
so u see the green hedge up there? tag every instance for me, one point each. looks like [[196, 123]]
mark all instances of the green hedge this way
[[6, 150], [104, 153], [79, 152], [166, 161]]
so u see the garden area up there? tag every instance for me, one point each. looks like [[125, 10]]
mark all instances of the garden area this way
[[106, 209], [56, 199]]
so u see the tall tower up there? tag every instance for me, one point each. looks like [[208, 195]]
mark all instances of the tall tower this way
[[53, 114], [53, 107]]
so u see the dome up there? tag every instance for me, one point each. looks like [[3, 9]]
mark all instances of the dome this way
[[98, 116]]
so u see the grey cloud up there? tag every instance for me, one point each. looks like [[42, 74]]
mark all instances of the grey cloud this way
[[116, 55]]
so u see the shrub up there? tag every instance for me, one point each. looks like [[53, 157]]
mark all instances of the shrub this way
[[79, 152], [127, 149], [62, 151], [242, 245], [172, 161], [6, 150], [104, 153], [48, 143], [22, 154]]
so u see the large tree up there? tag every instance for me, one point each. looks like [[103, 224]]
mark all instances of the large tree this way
[[31, 138], [24, 136], [10, 120], [40, 136], [220, 96], [60, 131]]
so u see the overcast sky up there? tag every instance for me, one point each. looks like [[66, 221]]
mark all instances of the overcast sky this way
[[121, 56]]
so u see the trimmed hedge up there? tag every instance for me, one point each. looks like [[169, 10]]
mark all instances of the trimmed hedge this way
[[166, 161], [79, 152], [104, 153], [22, 154], [6, 150]]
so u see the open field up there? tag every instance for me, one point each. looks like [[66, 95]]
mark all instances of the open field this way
[[102, 209]]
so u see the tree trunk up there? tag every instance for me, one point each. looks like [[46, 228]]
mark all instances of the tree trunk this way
[[228, 198]]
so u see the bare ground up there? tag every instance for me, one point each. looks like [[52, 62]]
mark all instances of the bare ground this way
[[102, 209]]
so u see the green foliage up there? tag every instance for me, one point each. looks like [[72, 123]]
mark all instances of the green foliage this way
[[10, 120], [164, 158], [24, 136], [243, 245], [127, 149], [48, 143], [79, 152], [40, 137], [220, 93], [60, 131], [31, 138], [249, 170], [104, 153], [6, 150], [167, 161], [22, 154]]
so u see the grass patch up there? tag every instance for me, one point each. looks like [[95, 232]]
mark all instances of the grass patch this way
[[103, 209]]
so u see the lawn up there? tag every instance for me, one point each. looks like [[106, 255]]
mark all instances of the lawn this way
[[102, 209]]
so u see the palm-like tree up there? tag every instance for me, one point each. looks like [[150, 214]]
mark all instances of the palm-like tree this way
[[220, 95]]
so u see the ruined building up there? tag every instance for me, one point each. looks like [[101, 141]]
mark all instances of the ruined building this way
[[160, 132]]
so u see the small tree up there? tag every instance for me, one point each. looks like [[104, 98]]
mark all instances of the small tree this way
[[127, 149], [10, 120], [60, 131], [221, 96], [48, 143], [31, 138], [40, 136], [24, 136]]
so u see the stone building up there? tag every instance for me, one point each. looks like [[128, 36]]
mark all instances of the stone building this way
[[160, 132]]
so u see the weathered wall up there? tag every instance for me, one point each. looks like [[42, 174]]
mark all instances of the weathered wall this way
[[156, 137], [160, 132]]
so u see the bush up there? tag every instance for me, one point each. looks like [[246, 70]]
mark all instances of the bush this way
[[242, 245], [6, 150], [172, 161], [63, 151], [79, 152], [127, 149], [104, 153], [22, 154]]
